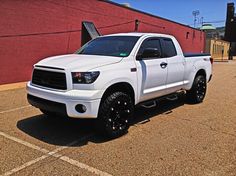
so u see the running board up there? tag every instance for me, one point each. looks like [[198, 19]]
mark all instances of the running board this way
[[153, 102], [172, 98], [150, 104]]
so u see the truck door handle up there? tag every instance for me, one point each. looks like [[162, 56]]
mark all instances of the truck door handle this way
[[163, 65]]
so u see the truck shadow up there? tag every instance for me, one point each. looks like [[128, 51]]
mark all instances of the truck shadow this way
[[61, 132]]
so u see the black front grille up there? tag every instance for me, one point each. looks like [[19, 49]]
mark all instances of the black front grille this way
[[49, 79]]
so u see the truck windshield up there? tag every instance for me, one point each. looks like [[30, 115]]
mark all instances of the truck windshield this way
[[118, 46]]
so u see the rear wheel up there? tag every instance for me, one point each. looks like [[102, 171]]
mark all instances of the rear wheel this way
[[115, 114], [198, 91]]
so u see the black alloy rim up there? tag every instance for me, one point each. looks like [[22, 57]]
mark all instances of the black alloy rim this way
[[201, 89], [119, 115]]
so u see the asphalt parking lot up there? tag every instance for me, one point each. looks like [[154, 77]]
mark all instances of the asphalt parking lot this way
[[174, 138]]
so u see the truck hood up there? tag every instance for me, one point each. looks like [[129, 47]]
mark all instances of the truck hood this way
[[78, 62]]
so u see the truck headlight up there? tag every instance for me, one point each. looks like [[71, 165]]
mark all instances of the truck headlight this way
[[84, 77]]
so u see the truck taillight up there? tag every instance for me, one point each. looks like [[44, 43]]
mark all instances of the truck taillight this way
[[211, 60]]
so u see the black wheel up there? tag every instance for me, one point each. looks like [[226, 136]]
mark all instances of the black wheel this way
[[115, 114], [198, 91]]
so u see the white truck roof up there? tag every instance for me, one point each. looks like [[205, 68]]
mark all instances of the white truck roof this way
[[139, 34]]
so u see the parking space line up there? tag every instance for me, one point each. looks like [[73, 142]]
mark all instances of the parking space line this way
[[15, 109], [32, 146], [25, 165], [84, 166], [53, 153]]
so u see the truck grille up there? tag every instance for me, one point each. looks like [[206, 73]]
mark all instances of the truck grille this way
[[49, 79]]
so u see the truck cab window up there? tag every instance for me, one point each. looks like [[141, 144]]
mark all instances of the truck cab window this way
[[169, 48], [150, 43]]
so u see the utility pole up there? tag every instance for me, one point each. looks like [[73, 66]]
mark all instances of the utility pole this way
[[201, 20], [230, 28], [195, 14]]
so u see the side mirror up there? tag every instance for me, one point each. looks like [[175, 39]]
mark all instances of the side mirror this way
[[149, 53]]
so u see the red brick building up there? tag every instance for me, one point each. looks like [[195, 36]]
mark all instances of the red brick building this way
[[32, 30]]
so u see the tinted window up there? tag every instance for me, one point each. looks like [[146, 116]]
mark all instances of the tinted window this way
[[150, 43], [170, 50], [119, 46]]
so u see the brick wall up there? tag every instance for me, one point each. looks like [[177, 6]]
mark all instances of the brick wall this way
[[32, 30]]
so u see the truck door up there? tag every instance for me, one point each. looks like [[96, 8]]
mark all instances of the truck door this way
[[175, 67], [152, 71]]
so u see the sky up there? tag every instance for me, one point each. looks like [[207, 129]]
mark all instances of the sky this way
[[181, 10]]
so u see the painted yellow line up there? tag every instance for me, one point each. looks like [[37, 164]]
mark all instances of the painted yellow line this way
[[12, 86]]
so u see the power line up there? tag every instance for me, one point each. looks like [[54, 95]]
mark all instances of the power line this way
[[76, 30], [114, 25], [60, 32], [41, 33], [152, 24], [205, 22], [220, 21]]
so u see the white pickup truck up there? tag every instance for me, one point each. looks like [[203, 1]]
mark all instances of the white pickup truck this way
[[111, 74]]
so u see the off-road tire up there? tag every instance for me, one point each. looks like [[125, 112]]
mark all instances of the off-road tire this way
[[115, 114], [198, 91]]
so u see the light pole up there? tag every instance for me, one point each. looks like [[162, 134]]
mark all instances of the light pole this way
[[195, 14], [202, 20]]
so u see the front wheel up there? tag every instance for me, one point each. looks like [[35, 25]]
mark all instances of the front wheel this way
[[198, 91], [115, 114]]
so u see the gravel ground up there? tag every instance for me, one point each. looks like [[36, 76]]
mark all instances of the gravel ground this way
[[174, 138]]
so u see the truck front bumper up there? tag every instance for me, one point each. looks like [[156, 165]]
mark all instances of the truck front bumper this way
[[65, 102]]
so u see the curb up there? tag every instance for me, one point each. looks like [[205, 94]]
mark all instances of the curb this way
[[12, 86]]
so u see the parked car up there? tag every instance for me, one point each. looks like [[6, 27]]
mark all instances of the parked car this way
[[111, 74]]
